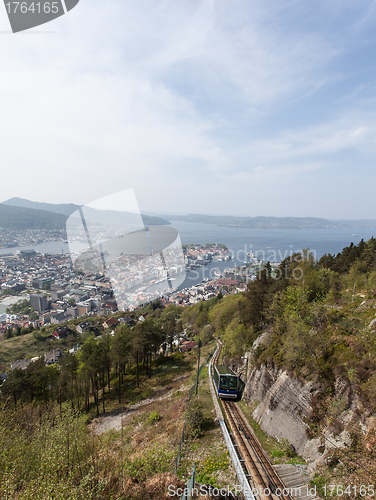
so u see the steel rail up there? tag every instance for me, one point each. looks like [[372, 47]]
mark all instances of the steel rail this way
[[249, 463], [267, 482], [275, 483]]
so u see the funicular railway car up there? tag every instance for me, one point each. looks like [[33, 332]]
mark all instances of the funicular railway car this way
[[226, 382]]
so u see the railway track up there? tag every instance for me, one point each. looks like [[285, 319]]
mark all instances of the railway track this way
[[262, 478]]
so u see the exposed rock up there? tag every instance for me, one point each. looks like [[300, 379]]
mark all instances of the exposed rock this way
[[249, 357], [371, 423], [262, 339], [313, 452], [282, 402], [370, 438]]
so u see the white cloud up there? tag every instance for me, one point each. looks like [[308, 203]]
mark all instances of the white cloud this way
[[175, 99], [312, 146], [262, 173]]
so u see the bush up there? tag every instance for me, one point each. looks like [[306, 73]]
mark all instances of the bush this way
[[287, 448], [146, 393], [8, 334], [153, 461], [154, 417], [277, 453], [194, 414]]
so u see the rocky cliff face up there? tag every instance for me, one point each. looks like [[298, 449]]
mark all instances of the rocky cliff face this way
[[281, 402]]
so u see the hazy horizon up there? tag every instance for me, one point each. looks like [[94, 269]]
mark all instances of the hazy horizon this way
[[171, 213]]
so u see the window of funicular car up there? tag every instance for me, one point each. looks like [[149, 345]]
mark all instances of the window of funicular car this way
[[229, 383]]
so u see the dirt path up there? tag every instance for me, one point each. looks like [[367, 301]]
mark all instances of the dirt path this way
[[113, 419]]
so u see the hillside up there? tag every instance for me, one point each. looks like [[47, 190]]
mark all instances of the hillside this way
[[27, 218], [308, 332], [19, 213], [274, 222], [57, 208]]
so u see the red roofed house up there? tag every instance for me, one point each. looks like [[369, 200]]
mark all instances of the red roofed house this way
[[110, 322], [61, 332], [187, 345]]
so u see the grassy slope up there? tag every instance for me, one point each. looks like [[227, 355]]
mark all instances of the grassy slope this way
[[30, 345]]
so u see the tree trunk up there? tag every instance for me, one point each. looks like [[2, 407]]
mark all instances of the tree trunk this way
[[103, 392], [138, 381], [198, 369], [77, 394], [95, 394], [119, 384], [60, 400]]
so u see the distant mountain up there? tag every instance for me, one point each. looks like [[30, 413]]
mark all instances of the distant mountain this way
[[115, 217], [25, 214], [28, 218], [274, 222], [58, 208], [150, 220]]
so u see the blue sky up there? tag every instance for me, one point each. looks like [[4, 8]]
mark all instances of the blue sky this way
[[219, 107]]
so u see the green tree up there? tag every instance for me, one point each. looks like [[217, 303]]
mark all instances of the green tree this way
[[104, 364], [170, 325], [8, 334], [120, 352], [89, 361], [237, 338], [68, 379], [223, 312]]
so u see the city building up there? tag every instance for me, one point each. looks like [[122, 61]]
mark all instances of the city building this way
[[38, 302], [42, 283], [61, 332], [82, 327], [53, 356]]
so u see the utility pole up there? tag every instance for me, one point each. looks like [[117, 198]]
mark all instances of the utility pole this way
[[198, 364]]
